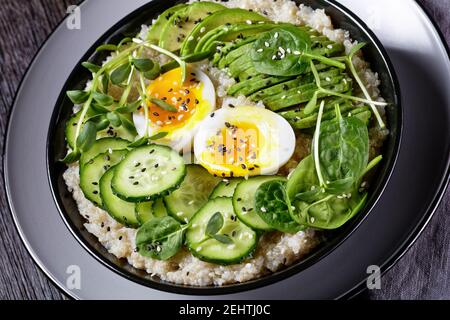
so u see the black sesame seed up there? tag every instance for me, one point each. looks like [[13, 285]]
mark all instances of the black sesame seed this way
[[95, 192], [239, 199], [231, 105], [136, 183], [243, 166], [196, 101], [131, 177], [108, 229], [157, 165], [156, 114], [120, 238], [152, 151], [137, 164], [212, 115], [95, 183]]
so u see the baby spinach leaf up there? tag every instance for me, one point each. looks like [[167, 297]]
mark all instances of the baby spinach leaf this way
[[343, 152], [160, 238], [273, 52], [273, 206], [330, 212], [214, 225]]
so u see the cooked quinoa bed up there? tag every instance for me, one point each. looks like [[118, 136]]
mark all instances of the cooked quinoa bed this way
[[275, 250]]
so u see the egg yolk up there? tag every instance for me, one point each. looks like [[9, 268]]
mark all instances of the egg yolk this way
[[185, 97], [233, 151]]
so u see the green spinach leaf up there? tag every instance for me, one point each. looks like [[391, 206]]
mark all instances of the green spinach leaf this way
[[330, 212], [273, 206], [343, 152], [286, 51], [160, 238]]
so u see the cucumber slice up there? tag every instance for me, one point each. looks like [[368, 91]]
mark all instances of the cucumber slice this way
[[244, 201], [93, 170], [119, 210], [159, 209], [193, 193], [102, 146], [126, 131], [147, 173], [146, 211], [211, 250], [225, 188]]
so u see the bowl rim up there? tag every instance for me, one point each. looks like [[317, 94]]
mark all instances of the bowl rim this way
[[265, 280]]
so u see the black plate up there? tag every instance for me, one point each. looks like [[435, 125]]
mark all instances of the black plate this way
[[129, 26]]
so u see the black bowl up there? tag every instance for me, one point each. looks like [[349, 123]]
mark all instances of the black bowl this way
[[129, 26]]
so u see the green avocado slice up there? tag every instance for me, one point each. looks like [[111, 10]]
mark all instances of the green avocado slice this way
[[183, 21], [155, 30], [217, 19]]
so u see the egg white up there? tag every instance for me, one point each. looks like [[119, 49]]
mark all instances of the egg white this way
[[180, 139], [277, 135]]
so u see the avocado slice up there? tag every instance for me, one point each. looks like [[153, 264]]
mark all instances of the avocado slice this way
[[283, 101], [233, 55], [184, 21], [217, 19], [155, 30], [257, 83], [229, 47], [230, 33]]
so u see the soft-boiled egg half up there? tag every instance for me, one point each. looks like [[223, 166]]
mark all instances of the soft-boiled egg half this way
[[194, 100], [244, 141]]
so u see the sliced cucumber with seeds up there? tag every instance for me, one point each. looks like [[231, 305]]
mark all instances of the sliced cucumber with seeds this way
[[241, 242], [192, 194], [102, 146], [159, 208], [148, 173], [94, 169], [225, 188], [145, 211], [122, 211], [244, 201]]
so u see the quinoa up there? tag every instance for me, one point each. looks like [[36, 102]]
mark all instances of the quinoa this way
[[275, 250]]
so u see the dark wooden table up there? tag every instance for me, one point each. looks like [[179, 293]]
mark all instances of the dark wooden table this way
[[24, 26]]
